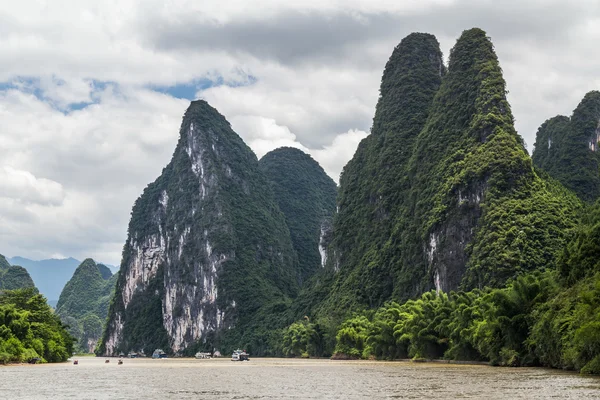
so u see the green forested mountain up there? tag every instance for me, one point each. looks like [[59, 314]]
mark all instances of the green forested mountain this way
[[13, 276], [306, 196], [83, 303], [29, 329], [463, 206], [567, 148], [49, 275], [208, 261]]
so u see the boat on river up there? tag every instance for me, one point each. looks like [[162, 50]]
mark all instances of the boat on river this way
[[240, 355], [203, 356], [159, 353]]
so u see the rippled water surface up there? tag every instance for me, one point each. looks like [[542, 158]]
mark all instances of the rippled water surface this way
[[287, 379]]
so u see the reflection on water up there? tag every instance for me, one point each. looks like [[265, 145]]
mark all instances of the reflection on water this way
[[286, 379]]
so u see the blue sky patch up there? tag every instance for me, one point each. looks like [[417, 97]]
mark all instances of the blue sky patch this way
[[185, 90], [188, 90], [32, 86]]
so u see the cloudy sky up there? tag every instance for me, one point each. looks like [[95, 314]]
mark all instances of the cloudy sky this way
[[92, 92]]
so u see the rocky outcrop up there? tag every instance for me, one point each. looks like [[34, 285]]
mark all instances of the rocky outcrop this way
[[442, 195], [207, 247]]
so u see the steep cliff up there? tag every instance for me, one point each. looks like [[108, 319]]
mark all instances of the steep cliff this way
[[83, 303], [208, 253], [13, 276], [374, 182], [306, 196], [442, 194], [567, 148], [482, 213]]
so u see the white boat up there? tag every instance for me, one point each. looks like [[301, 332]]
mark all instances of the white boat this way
[[159, 353], [202, 356], [240, 355]]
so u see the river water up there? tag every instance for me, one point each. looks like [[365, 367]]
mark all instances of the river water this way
[[287, 379]]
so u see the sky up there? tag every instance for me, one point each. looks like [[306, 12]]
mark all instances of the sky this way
[[92, 93]]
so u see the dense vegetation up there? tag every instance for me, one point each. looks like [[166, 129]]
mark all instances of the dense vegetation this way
[[13, 276], [83, 303], [29, 329], [567, 148], [544, 318], [306, 196], [454, 201]]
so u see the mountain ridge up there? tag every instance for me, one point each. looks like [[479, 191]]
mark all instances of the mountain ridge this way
[[195, 235]]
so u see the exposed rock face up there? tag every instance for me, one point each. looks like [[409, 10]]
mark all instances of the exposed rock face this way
[[306, 196], [567, 148], [207, 246], [325, 238]]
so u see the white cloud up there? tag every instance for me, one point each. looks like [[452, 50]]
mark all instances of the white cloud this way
[[24, 187], [73, 175], [264, 134], [334, 156], [93, 162]]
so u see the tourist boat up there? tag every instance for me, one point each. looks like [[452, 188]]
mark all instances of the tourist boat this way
[[158, 353], [240, 355], [201, 355]]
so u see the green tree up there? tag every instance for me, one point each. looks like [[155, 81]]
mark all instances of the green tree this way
[[29, 329]]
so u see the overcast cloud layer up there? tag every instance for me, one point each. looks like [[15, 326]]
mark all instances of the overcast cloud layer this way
[[92, 93]]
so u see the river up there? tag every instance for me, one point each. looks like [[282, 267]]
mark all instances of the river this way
[[287, 379]]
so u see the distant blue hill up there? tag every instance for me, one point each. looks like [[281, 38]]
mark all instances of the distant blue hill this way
[[50, 276]]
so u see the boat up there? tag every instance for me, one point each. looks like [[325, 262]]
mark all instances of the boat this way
[[240, 355], [120, 362], [201, 355], [159, 353]]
